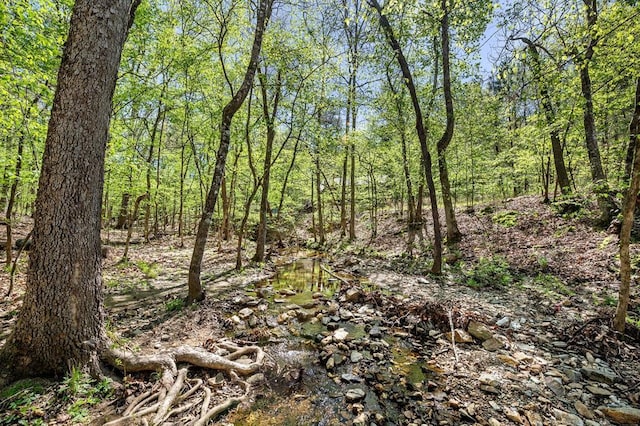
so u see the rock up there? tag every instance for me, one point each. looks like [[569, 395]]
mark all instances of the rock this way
[[508, 360], [492, 344], [460, 336], [356, 356], [317, 295], [493, 422], [503, 322], [599, 375], [622, 415], [340, 335], [567, 419], [375, 332], [479, 331], [598, 391], [165, 337], [354, 395], [350, 378], [559, 344], [490, 389], [583, 410], [590, 358], [513, 415], [345, 314], [353, 294], [304, 315], [252, 321], [331, 364], [534, 418], [287, 292], [361, 419], [555, 385], [283, 318]]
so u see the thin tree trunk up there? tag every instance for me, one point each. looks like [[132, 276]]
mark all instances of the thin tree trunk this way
[[422, 136], [556, 146], [629, 208], [270, 118], [453, 233], [196, 292], [131, 222]]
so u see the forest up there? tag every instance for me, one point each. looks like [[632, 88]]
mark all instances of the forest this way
[[319, 212]]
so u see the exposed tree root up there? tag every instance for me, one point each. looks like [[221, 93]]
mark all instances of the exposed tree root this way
[[176, 394]]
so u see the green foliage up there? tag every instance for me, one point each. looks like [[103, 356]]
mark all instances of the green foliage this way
[[570, 208], [507, 218], [489, 272], [19, 403], [81, 392], [150, 270], [552, 285], [174, 305]]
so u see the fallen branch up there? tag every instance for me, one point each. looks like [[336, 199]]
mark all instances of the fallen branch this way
[[342, 280]]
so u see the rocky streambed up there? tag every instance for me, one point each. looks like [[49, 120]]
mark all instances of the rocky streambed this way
[[343, 351]]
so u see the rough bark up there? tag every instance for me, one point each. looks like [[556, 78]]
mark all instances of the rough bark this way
[[453, 233], [61, 323], [562, 176], [627, 219], [422, 135], [196, 292]]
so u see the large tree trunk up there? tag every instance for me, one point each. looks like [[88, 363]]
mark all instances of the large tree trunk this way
[[422, 135], [61, 323], [453, 233], [562, 176], [196, 293], [627, 219]]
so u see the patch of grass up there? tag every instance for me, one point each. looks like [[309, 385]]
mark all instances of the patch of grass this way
[[82, 392], [19, 403], [489, 272], [605, 242], [552, 285], [570, 207], [174, 305], [507, 218], [150, 270], [634, 321]]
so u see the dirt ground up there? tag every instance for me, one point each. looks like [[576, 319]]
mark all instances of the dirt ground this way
[[528, 293]]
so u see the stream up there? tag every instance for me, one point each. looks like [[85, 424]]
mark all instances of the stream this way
[[332, 358]]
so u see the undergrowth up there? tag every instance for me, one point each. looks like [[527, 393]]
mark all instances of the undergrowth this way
[[489, 272]]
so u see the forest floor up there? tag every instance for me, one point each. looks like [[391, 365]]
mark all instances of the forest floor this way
[[361, 334]]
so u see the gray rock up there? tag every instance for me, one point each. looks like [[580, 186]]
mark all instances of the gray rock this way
[[601, 375], [555, 385], [351, 378], [503, 322], [356, 356], [354, 395], [375, 332]]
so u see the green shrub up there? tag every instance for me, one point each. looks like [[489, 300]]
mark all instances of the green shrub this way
[[489, 272], [507, 218], [174, 305]]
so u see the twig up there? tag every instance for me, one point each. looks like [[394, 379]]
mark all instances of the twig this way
[[342, 280], [453, 336], [15, 263]]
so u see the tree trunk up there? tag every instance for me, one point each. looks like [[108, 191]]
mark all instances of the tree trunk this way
[[196, 292], [270, 117], [627, 219], [123, 216], [556, 146], [422, 136], [453, 233], [321, 237], [61, 322], [601, 189], [132, 219]]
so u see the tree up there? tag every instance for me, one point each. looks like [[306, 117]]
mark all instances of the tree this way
[[196, 293], [453, 233], [61, 322], [630, 202], [422, 135]]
